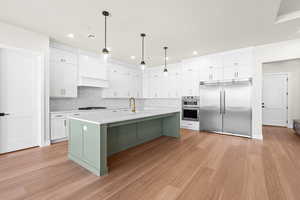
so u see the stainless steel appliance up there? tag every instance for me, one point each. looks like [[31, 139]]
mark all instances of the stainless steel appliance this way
[[225, 107], [190, 108]]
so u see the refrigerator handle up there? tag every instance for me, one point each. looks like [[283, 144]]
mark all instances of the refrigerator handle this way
[[220, 102], [224, 102]]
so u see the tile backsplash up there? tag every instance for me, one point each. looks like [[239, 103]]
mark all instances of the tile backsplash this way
[[90, 96], [162, 103]]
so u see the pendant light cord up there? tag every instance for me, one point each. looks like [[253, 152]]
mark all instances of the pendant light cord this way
[[105, 32], [165, 57], [143, 46]]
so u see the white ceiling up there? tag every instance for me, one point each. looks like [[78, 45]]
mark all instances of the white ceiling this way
[[288, 6], [206, 26]]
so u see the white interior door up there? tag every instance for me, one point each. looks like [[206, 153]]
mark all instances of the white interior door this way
[[275, 104], [19, 93]]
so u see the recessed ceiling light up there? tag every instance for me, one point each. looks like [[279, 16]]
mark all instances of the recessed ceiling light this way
[[132, 57], [70, 35], [195, 52], [91, 36]]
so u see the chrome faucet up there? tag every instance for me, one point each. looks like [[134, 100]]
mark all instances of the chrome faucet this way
[[132, 106]]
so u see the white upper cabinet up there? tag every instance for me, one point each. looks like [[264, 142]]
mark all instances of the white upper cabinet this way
[[146, 83], [92, 70], [63, 74], [174, 81], [238, 64], [190, 78], [157, 85], [211, 68], [62, 56], [125, 82]]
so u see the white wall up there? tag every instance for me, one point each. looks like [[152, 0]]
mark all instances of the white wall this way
[[15, 37], [263, 54], [292, 68]]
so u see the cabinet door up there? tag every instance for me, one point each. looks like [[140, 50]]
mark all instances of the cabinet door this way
[[237, 72], [205, 73], [126, 83], [164, 89], [190, 80], [216, 74], [245, 72], [76, 138], [238, 59], [154, 85], [174, 83], [61, 56], [146, 84], [211, 68], [115, 77], [58, 127], [139, 83], [230, 72], [136, 80], [91, 144], [63, 80]]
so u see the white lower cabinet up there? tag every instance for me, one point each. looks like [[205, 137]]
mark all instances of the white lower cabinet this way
[[58, 126], [192, 125]]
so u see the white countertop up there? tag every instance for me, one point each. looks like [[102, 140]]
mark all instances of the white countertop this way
[[110, 116], [83, 111]]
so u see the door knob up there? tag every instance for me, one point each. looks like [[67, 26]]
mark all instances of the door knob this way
[[3, 114]]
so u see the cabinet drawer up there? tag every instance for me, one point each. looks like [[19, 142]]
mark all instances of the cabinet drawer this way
[[58, 116]]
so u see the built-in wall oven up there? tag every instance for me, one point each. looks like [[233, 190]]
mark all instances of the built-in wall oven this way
[[190, 108]]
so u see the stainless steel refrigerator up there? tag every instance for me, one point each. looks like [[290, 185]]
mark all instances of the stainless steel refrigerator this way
[[225, 107]]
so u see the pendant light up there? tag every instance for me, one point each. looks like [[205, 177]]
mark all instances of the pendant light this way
[[165, 68], [105, 51], [143, 64]]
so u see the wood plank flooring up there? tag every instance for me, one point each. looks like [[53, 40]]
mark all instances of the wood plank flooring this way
[[198, 166]]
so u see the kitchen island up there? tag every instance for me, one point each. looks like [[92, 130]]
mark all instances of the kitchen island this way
[[94, 137]]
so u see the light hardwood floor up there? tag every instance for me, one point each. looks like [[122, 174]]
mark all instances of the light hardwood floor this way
[[198, 166]]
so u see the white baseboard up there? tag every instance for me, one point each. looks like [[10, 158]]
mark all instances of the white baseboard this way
[[59, 140]]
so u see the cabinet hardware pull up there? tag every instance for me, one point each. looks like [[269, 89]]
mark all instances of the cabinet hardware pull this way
[[3, 114]]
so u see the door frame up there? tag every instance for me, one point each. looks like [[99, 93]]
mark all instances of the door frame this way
[[287, 74], [42, 94]]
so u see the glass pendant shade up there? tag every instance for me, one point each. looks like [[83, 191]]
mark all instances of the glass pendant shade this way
[[166, 72], [106, 55], [143, 65]]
